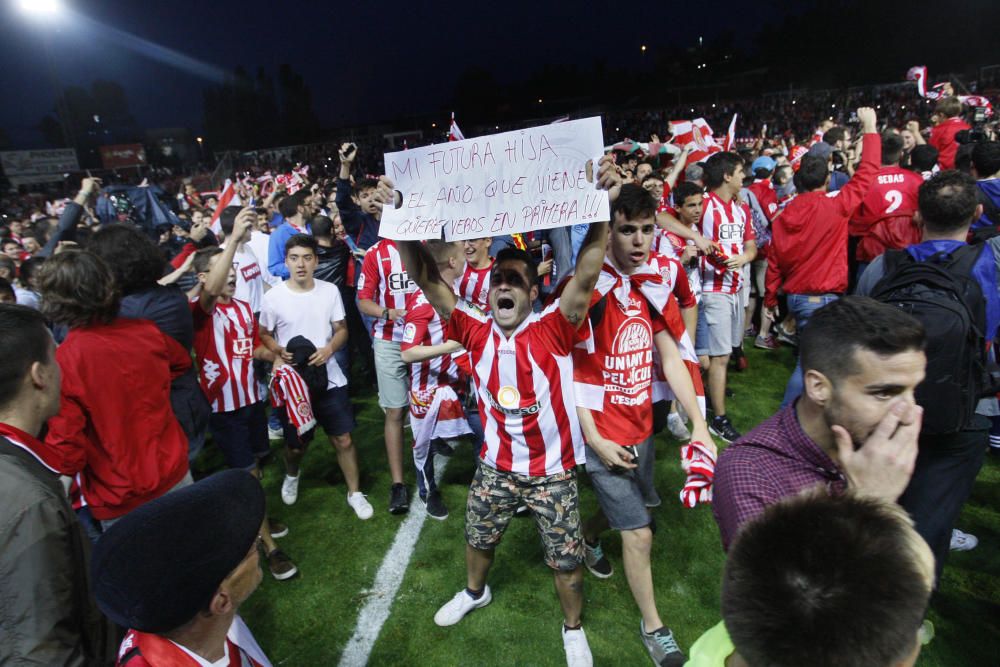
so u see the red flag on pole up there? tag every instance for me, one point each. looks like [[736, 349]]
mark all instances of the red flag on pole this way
[[454, 134]]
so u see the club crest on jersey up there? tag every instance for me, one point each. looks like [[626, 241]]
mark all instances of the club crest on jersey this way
[[633, 336]]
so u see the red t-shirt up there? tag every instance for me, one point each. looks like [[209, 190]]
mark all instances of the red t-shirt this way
[[893, 194], [622, 362]]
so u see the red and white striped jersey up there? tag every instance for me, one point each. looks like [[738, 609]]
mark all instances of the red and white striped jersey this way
[[474, 285], [224, 341], [728, 224], [524, 386], [423, 326], [383, 280], [674, 278]]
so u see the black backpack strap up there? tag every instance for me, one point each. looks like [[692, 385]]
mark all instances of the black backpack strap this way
[[963, 261], [596, 312]]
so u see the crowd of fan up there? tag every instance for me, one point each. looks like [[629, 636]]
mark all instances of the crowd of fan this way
[[298, 287]]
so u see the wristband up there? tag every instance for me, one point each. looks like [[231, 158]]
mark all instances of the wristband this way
[[385, 313]]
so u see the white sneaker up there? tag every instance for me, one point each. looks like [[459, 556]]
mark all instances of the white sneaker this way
[[456, 608], [577, 648], [677, 427], [275, 434], [360, 505], [963, 541], [290, 490]]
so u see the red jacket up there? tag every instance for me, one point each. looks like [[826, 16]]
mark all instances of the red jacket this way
[[890, 234], [115, 425], [943, 139], [809, 237]]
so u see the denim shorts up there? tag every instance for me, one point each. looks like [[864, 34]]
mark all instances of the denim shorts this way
[[241, 435], [333, 411]]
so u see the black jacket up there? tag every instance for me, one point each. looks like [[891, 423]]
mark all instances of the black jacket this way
[[47, 611]]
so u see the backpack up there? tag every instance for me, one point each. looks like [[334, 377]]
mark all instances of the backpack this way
[[944, 296]]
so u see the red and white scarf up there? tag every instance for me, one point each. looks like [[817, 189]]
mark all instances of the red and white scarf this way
[[698, 462], [289, 389], [442, 417]]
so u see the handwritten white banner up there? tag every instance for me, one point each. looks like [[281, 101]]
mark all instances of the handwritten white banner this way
[[520, 181]]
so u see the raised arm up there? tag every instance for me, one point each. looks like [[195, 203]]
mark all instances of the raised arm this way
[[66, 231], [422, 269], [575, 299], [216, 280]]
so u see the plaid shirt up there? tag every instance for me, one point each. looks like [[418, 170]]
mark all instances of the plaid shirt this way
[[775, 460]]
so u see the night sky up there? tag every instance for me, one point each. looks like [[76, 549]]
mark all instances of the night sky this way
[[363, 61]]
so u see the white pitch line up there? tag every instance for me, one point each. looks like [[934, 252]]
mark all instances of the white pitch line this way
[[375, 611]]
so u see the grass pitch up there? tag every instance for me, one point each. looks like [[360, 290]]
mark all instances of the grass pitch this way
[[309, 619]]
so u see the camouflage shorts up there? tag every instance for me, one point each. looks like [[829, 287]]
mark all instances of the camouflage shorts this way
[[553, 501]]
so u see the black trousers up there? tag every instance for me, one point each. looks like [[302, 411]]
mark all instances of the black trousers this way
[[942, 481]]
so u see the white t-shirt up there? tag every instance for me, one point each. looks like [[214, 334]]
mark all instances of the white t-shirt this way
[[311, 314], [249, 277], [259, 244]]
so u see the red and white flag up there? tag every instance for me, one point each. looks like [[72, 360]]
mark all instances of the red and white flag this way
[[730, 135], [696, 135], [227, 198], [918, 74], [454, 134]]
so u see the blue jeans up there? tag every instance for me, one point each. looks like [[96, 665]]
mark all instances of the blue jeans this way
[[802, 306]]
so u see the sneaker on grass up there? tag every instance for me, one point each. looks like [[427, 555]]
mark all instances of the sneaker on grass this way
[[963, 541], [275, 434], [281, 565], [290, 490], [277, 529], [677, 427], [661, 646], [456, 608], [596, 561], [360, 505], [576, 647], [766, 343], [435, 506], [399, 499], [721, 427]]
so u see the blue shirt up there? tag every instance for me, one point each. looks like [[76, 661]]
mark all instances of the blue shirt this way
[[276, 248]]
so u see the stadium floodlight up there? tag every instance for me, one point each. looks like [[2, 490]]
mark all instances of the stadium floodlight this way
[[41, 9]]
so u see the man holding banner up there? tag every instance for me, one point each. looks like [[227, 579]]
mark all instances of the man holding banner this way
[[523, 375]]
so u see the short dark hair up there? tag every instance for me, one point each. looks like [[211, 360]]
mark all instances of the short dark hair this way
[[826, 581], [986, 158], [135, 260], [7, 288], [365, 184], [289, 206], [514, 254], [203, 258], [892, 148], [923, 157], [227, 219], [322, 227], [8, 264], [301, 241], [837, 330], [684, 190], [812, 174], [78, 289], [947, 201], [833, 135], [8, 241], [633, 202], [718, 166], [26, 340], [29, 269], [655, 176]]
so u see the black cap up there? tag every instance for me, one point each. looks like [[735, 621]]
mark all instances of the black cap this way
[[159, 565]]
